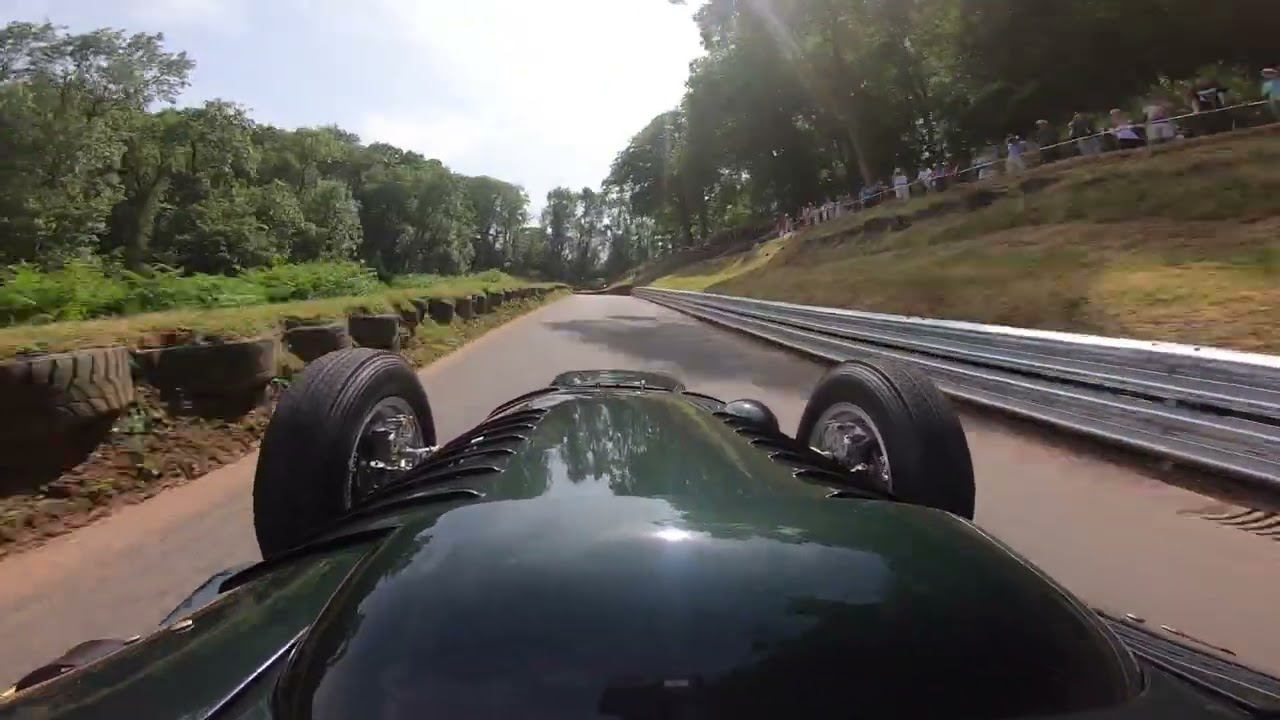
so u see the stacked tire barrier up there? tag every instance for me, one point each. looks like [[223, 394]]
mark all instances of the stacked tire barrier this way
[[55, 408], [310, 342], [1207, 408]]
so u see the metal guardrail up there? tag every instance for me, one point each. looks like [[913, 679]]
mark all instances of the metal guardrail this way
[[1208, 408]]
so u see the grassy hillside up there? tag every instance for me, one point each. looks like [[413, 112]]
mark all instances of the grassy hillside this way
[[1182, 246]]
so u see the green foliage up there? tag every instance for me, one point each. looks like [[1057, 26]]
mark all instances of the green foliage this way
[[85, 289], [283, 283], [420, 280], [90, 170]]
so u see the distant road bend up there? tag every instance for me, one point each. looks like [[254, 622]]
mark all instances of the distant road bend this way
[[1119, 539]]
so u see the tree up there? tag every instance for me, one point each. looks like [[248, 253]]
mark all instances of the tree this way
[[557, 228], [67, 103], [499, 210], [91, 168], [799, 101]]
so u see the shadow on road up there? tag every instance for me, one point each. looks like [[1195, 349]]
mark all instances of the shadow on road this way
[[698, 350]]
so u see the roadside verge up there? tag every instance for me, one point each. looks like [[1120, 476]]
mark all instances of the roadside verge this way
[[161, 440]]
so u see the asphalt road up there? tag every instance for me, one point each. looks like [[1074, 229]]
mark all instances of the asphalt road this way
[[1113, 536]]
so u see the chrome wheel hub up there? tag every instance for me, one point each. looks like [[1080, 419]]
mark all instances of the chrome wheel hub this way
[[846, 434], [389, 443]]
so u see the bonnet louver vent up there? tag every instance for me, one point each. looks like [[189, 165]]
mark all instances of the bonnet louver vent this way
[[786, 451], [484, 449]]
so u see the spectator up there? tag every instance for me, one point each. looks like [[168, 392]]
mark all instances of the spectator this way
[[1210, 96], [1047, 136], [1015, 162], [1082, 132], [924, 177], [1271, 89], [901, 184], [1159, 127], [1123, 131], [939, 176]]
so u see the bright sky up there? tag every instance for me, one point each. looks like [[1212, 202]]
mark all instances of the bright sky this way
[[537, 92]]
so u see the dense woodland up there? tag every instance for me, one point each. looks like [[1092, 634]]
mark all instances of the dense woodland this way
[[92, 173], [795, 101]]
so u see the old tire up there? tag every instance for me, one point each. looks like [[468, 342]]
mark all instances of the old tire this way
[[211, 370], [480, 304], [440, 311], [311, 342], [50, 393], [409, 319], [899, 410], [55, 409], [463, 308], [303, 480], [381, 332]]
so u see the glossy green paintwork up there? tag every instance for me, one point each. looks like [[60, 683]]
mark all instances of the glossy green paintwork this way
[[188, 673], [635, 443], [634, 534]]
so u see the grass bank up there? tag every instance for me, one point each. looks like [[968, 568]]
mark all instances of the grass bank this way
[[152, 449], [1182, 246]]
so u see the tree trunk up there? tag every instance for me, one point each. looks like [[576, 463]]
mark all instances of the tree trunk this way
[[703, 224], [846, 114], [136, 251]]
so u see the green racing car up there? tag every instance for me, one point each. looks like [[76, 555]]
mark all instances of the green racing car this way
[[614, 545]]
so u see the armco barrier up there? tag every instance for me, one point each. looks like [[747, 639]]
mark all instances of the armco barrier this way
[[1213, 409]]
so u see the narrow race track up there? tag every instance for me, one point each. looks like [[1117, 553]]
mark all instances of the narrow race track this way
[[1118, 539]]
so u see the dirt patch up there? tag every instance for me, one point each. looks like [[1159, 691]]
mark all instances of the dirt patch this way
[[149, 450]]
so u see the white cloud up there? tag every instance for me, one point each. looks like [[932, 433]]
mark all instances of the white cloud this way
[[135, 15], [445, 135], [226, 14], [547, 91]]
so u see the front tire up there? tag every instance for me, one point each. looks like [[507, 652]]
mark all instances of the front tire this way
[[894, 420], [309, 467]]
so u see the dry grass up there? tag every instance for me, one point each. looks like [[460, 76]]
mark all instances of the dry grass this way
[[709, 272], [231, 323], [1183, 246]]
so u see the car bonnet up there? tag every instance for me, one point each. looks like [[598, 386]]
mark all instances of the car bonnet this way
[[585, 605]]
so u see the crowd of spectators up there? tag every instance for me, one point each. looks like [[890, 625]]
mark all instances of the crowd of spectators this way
[[1204, 112]]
